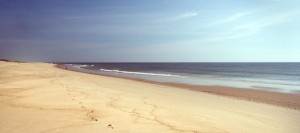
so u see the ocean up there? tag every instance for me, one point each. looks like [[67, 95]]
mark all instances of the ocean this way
[[283, 77]]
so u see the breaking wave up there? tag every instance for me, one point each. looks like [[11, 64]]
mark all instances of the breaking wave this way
[[140, 73]]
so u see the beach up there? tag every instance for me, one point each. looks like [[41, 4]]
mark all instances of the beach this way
[[41, 98]]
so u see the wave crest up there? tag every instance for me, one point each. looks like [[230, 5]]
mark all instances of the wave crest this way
[[140, 73]]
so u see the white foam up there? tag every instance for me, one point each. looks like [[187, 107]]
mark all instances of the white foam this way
[[78, 66], [140, 73]]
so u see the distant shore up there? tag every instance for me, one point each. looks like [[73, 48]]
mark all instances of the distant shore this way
[[41, 98]]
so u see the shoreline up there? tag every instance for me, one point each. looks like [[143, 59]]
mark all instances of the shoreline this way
[[41, 98], [287, 100]]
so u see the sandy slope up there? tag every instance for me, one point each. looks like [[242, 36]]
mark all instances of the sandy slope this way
[[42, 98]]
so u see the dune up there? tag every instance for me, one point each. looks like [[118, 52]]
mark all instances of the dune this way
[[41, 98]]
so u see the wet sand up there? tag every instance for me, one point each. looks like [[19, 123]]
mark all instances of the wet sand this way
[[39, 97]]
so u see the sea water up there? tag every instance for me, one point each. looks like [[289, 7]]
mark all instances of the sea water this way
[[283, 77]]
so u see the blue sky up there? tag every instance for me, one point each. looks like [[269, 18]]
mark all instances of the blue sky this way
[[150, 31]]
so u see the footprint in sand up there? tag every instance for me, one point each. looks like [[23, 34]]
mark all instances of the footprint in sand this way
[[110, 126], [94, 119]]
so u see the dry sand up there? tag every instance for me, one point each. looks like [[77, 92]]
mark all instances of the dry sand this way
[[38, 97]]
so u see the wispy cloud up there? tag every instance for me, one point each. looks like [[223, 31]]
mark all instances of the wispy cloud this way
[[186, 15], [236, 16], [178, 17], [237, 32], [241, 30], [232, 18], [258, 25]]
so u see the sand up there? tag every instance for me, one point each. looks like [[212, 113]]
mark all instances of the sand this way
[[40, 98]]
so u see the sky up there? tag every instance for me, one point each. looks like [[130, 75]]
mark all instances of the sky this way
[[150, 31]]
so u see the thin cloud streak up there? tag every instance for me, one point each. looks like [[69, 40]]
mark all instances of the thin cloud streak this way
[[178, 17], [232, 18], [265, 22], [236, 16], [240, 31]]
